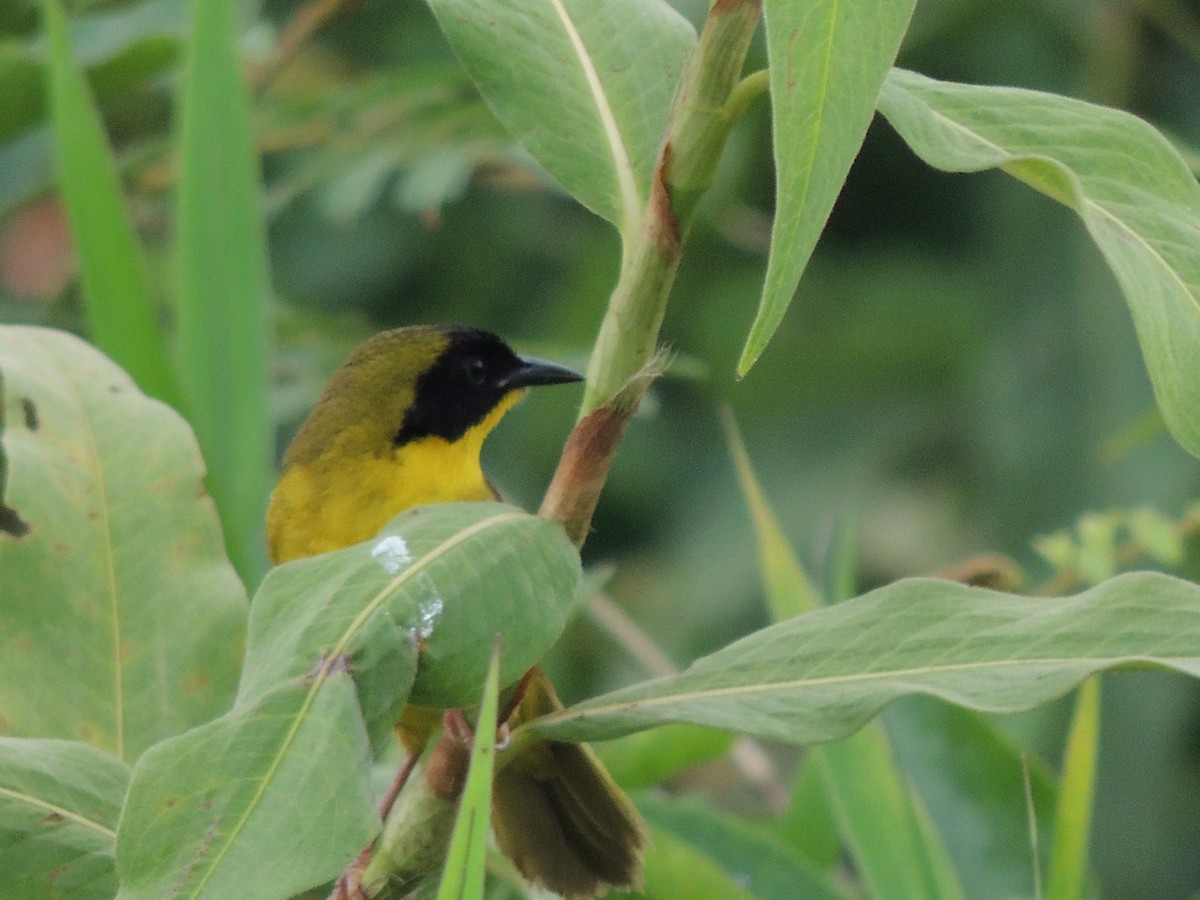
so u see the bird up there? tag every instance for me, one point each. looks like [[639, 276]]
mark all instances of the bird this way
[[402, 424]]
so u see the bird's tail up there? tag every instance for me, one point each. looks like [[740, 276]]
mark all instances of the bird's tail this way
[[559, 816]]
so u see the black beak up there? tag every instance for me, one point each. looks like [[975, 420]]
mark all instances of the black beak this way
[[534, 372]]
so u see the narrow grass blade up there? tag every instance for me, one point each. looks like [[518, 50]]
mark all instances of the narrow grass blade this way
[[878, 817], [121, 311], [1068, 865], [789, 590], [876, 811], [463, 875], [224, 289]]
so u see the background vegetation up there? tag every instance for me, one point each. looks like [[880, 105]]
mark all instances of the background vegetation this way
[[957, 376]]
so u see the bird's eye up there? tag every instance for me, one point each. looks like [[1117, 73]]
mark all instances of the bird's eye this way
[[476, 370]]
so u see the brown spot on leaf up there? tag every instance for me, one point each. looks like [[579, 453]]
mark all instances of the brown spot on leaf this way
[[329, 665], [196, 683]]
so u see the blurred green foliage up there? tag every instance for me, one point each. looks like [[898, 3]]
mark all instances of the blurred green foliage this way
[[957, 375]]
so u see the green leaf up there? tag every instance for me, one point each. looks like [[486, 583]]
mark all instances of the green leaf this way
[[1072, 826], [749, 855], [820, 675], [121, 311], [1135, 195], [788, 588], [880, 819], [1157, 535], [448, 577], [224, 288], [651, 757], [970, 775], [828, 61], [24, 90], [585, 87], [878, 814], [123, 618], [674, 868], [331, 656], [808, 824], [464, 871], [59, 803], [101, 35], [264, 802]]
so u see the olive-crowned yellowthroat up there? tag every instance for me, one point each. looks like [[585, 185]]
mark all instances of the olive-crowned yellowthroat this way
[[401, 423]]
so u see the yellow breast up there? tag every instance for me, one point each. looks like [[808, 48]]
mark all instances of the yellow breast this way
[[348, 493]]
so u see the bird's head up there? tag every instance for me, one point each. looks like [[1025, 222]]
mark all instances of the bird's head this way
[[420, 382]]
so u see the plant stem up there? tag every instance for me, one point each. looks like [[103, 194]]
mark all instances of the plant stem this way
[[622, 364], [686, 167]]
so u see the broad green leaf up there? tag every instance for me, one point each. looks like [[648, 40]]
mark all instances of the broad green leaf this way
[[585, 87], [820, 675], [59, 803], [464, 871], [331, 656], [1072, 826], [123, 618], [828, 60], [970, 777], [448, 577], [121, 311], [750, 855], [879, 819], [1135, 195], [788, 588], [224, 289], [264, 802]]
